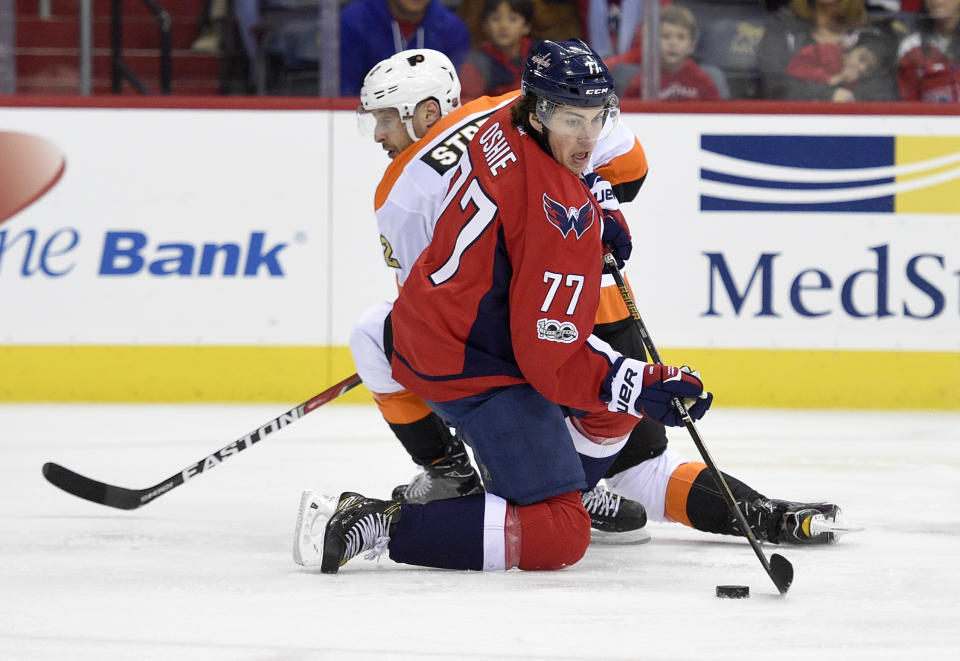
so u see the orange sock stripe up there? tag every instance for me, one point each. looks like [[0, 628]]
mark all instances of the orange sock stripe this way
[[678, 490], [401, 408]]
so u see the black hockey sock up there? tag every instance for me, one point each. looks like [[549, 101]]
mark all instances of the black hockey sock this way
[[707, 509], [425, 440]]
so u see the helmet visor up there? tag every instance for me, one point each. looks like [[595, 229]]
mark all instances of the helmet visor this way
[[587, 123], [384, 120]]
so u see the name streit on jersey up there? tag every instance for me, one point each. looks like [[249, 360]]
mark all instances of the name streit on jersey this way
[[496, 149], [446, 154]]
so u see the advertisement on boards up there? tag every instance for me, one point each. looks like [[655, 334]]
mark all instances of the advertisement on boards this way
[[836, 233], [165, 236]]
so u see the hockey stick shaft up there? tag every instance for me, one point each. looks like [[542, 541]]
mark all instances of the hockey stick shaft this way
[[778, 568], [130, 499]]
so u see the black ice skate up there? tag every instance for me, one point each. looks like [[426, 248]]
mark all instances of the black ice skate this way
[[451, 476], [357, 524], [614, 519], [785, 522]]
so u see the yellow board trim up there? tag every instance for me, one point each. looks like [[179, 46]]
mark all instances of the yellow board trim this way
[[738, 377], [289, 374], [826, 379]]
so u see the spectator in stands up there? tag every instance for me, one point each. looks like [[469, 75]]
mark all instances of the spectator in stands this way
[[843, 65], [494, 67], [930, 57], [681, 79], [208, 37], [612, 25], [873, 6], [556, 20], [614, 28], [373, 30], [819, 22], [246, 14]]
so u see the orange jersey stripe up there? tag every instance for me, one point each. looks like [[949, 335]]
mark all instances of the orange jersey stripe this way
[[626, 167], [678, 490], [401, 408]]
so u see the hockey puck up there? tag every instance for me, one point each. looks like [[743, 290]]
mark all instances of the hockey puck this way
[[733, 591]]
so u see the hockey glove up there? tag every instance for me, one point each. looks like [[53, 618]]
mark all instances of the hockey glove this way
[[616, 234], [646, 390]]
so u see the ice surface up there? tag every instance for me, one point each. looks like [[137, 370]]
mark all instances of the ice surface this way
[[205, 571]]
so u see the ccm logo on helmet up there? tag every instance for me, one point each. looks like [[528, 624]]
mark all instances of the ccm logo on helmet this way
[[602, 90]]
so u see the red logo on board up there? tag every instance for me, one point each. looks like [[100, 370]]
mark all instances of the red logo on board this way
[[29, 167]]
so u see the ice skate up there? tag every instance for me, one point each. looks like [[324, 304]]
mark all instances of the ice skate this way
[[357, 524], [451, 476], [315, 510], [786, 522], [614, 519]]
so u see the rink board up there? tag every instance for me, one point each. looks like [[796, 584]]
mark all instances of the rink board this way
[[199, 254]]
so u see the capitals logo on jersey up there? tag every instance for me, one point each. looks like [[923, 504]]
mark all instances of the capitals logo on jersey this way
[[564, 219]]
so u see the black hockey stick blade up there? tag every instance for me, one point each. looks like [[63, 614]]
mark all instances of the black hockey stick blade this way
[[90, 489], [130, 499], [781, 571]]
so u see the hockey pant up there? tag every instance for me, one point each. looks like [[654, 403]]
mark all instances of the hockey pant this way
[[534, 461]]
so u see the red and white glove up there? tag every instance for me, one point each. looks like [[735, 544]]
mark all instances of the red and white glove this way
[[646, 390]]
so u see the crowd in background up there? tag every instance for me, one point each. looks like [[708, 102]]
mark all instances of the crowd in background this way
[[829, 50]]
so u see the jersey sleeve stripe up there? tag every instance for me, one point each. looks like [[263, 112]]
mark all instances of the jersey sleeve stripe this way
[[627, 167]]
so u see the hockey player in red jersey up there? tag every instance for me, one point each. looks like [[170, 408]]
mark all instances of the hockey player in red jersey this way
[[410, 103], [670, 487], [493, 327]]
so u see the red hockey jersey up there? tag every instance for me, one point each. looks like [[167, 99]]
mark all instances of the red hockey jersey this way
[[508, 290], [926, 73], [688, 83]]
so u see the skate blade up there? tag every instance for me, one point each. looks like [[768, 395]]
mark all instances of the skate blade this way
[[639, 536], [305, 551], [841, 526]]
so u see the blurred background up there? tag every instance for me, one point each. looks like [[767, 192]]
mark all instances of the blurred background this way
[[831, 50]]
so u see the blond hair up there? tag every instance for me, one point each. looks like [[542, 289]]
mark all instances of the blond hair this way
[[676, 15]]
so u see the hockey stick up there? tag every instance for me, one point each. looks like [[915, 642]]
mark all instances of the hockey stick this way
[[131, 499], [778, 568]]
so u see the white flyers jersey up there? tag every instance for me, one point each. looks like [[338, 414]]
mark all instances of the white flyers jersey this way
[[411, 192]]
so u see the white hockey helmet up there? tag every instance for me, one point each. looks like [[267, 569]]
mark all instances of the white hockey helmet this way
[[403, 80]]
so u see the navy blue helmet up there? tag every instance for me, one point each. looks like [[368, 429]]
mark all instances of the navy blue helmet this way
[[567, 73]]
